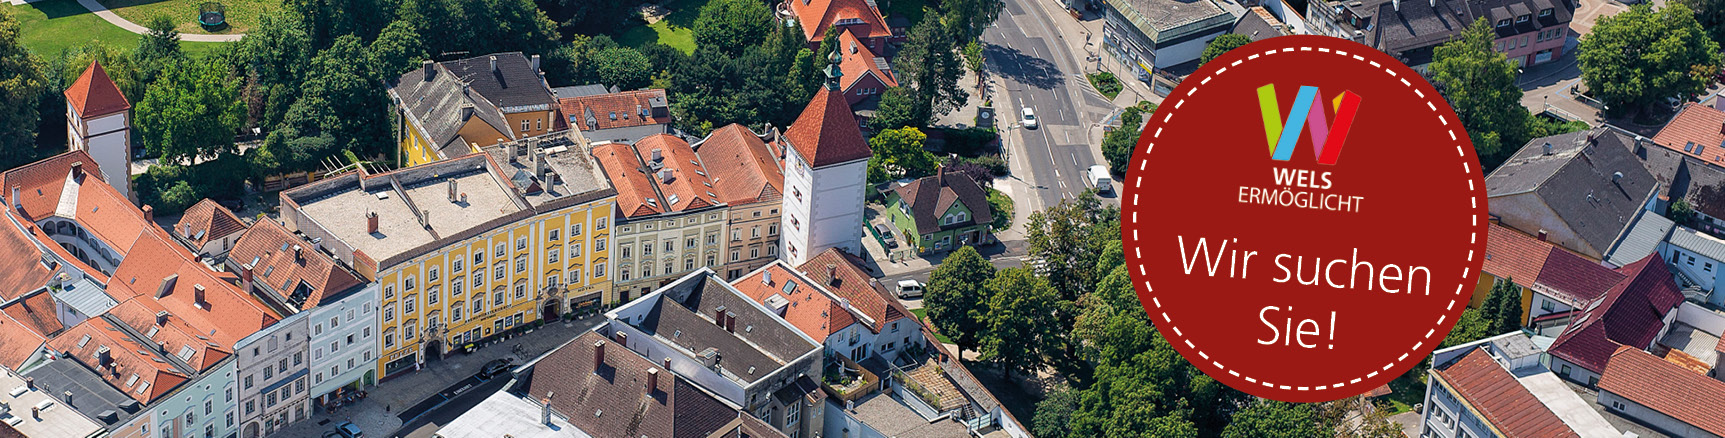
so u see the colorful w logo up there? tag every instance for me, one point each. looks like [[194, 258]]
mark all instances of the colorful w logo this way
[[1308, 110]]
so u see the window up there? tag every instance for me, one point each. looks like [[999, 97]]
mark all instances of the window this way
[[251, 406], [365, 333], [691, 242], [455, 266], [575, 250], [688, 264], [1500, 23], [553, 234], [1521, 18], [1564, 370], [1547, 305], [388, 292], [672, 246], [499, 272], [521, 244], [334, 347], [1708, 267], [501, 249], [895, 326], [551, 256], [574, 230], [520, 264], [1616, 405], [520, 290], [772, 250], [599, 244], [479, 305], [299, 356], [389, 338], [478, 258], [431, 294], [598, 270], [626, 251], [407, 331], [647, 249], [599, 224], [623, 274], [1545, 12], [409, 304], [669, 268], [479, 280], [710, 260], [736, 235], [755, 231], [524, 126], [754, 253], [497, 298], [431, 275], [735, 254], [1593, 381], [269, 373], [388, 311], [455, 288], [248, 382], [408, 284]]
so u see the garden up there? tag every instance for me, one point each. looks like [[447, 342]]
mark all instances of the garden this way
[[237, 16]]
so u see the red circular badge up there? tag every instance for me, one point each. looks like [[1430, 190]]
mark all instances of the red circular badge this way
[[1305, 218]]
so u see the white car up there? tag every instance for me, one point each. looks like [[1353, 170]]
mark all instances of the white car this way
[[909, 288], [1029, 118], [1097, 176]]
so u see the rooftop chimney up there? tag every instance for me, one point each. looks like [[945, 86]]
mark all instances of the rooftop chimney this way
[[767, 278], [667, 362], [539, 164], [652, 380], [162, 317], [149, 213], [77, 169], [545, 410], [622, 338], [534, 62], [719, 316], [36, 412], [1542, 235], [298, 253], [1547, 148], [30, 383], [598, 355], [940, 174], [371, 222], [68, 395], [104, 358], [452, 190], [166, 286], [494, 63], [14, 198], [658, 154], [833, 273], [246, 278], [665, 176], [198, 292], [1616, 177], [512, 149], [731, 322], [430, 69]]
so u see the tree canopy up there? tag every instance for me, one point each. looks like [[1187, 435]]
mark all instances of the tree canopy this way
[[957, 297], [1479, 83], [20, 91], [929, 65], [1222, 44], [729, 24], [1638, 58], [193, 110]]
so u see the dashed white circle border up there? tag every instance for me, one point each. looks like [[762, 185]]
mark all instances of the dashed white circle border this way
[[1473, 238]]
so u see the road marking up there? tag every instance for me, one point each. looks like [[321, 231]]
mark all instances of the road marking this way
[[1074, 155]]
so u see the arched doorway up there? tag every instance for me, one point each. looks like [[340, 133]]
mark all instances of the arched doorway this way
[[549, 312], [251, 430], [433, 350]]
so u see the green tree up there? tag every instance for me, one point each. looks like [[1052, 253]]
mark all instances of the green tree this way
[[1222, 44], [957, 297], [1054, 412], [340, 99], [730, 24], [1472, 326], [192, 111], [1503, 307], [1069, 239], [973, 58], [326, 20], [397, 50], [1640, 57], [929, 64], [1021, 321], [23, 86], [1275, 419], [158, 48], [1711, 15], [590, 16], [1479, 83], [278, 49], [897, 110], [623, 67], [967, 19], [899, 152], [1118, 144], [178, 197], [1682, 212]]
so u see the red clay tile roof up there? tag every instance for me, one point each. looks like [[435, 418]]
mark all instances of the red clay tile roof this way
[[807, 308], [261, 249], [690, 186], [859, 60], [1692, 398], [17, 341], [1507, 405], [1696, 128], [930, 197], [625, 105], [206, 221], [227, 315], [94, 94], [1567, 275], [612, 399], [634, 187], [1631, 313], [25, 271], [855, 286], [817, 15], [827, 133], [100, 209], [1511, 254], [745, 168], [36, 310], [129, 358]]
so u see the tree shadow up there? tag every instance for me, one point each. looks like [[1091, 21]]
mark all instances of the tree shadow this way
[[59, 8], [1026, 69]]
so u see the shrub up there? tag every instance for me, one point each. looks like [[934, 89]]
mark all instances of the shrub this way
[[1106, 84], [970, 142]]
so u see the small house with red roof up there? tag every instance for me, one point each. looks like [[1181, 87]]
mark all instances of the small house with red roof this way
[[941, 212], [98, 122], [832, 300], [861, 17], [1634, 312], [1662, 394], [209, 229], [614, 116], [826, 170], [866, 72]]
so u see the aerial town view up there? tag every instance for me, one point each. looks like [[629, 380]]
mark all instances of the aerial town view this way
[[790, 218]]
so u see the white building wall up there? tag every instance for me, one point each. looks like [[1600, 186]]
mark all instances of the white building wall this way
[[355, 316], [262, 354], [201, 405], [107, 139], [823, 208], [1699, 317], [1186, 51], [1658, 420], [1697, 267]]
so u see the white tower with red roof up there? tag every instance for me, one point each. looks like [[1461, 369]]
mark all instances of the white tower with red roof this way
[[826, 171], [98, 122]]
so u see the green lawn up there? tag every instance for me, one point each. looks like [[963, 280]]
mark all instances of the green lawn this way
[[1409, 390], [51, 26], [937, 335], [241, 14], [674, 30]]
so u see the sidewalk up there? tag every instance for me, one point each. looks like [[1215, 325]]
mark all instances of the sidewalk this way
[[1085, 37]]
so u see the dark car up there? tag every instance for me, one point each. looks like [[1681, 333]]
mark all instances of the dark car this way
[[348, 430], [494, 368], [886, 235]]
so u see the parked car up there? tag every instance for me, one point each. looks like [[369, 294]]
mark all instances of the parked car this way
[[1099, 178], [886, 235], [909, 289], [348, 430], [332, 434], [494, 368], [1029, 121]]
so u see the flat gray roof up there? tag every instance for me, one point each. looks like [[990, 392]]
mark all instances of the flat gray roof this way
[[572, 177], [1642, 239], [413, 206], [1698, 242]]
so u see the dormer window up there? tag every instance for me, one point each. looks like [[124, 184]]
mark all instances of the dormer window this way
[[1522, 18], [1545, 12], [1503, 22]]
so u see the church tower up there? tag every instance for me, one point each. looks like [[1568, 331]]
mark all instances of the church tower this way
[[826, 172], [98, 122]]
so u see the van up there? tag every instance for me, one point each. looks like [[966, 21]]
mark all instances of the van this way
[[909, 289], [1099, 178]]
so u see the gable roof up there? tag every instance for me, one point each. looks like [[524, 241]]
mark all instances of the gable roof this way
[[36, 310], [94, 93], [622, 109], [1579, 181], [817, 15], [858, 288], [439, 104], [1668, 388], [1258, 24], [1496, 395], [1514, 255], [507, 80], [642, 188], [18, 341], [206, 221], [610, 397], [1697, 131], [284, 263], [827, 133], [24, 271], [1575, 279], [747, 170], [806, 305], [858, 60], [1631, 313], [131, 369], [754, 343], [932, 195]]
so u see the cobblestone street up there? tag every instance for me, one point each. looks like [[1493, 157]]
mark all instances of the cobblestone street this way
[[378, 414]]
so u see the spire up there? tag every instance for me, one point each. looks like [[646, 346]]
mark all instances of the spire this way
[[833, 71]]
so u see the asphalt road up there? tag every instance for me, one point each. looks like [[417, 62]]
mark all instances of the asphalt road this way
[[921, 275], [1038, 71]]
